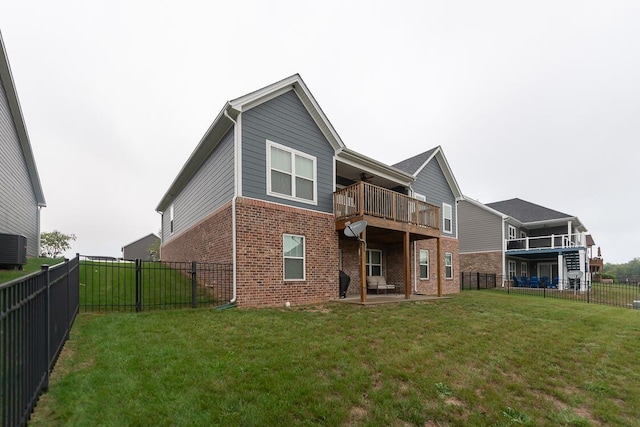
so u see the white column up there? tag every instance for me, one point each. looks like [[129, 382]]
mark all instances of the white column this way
[[561, 269], [583, 280]]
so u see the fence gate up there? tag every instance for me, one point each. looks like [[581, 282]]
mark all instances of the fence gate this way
[[476, 281], [117, 285]]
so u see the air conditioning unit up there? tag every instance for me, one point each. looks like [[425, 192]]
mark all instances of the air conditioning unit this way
[[13, 251]]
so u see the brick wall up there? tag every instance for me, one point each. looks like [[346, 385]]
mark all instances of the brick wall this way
[[393, 265], [210, 240], [260, 277], [482, 262], [430, 286]]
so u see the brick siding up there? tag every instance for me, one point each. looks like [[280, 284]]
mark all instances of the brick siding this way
[[482, 262], [210, 240], [260, 275]]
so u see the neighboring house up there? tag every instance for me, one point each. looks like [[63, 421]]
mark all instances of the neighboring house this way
[[21, 195], [271, 188], [516, 238], [144, 248]]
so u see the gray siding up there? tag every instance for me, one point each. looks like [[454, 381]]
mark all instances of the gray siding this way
[[208, 190], [140, 248], [18, 205], [284, 120], [480, 230], [432, 183]]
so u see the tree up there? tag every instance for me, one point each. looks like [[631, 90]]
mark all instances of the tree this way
[[53, 244]]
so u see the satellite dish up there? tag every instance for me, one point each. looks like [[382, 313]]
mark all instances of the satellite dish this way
[[354, 230], [574, 274]]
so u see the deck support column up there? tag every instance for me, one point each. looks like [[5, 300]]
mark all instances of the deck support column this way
[[440, 262], [407, 265], [363, 266]]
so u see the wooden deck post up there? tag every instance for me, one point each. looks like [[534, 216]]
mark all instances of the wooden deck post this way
[[363, 266], [407, 264], [440, 261]]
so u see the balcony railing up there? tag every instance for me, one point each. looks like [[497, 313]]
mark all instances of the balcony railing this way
[[553, 241], [362, 199]]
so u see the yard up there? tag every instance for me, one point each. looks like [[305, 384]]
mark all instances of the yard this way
[[480, 358]]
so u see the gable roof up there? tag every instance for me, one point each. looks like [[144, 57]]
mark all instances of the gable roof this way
[[530, 213], [6, 82], [414, 165], [230, 112], [150, 235]]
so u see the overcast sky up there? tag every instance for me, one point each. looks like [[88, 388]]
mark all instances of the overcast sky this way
[[535, 100]]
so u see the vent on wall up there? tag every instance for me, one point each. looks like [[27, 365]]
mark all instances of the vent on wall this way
[[13, 251]]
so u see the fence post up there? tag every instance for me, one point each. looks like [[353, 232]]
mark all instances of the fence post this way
[[478, 280], [47, 325], [138, 285], [194, 284]]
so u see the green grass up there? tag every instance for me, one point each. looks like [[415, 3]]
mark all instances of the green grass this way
[[111, 286], [33, 265], [480, 358]]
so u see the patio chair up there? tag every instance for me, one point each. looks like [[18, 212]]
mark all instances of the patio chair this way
[[534, 282], [379, 283], [554, 283], [524, 282], [544, 281]]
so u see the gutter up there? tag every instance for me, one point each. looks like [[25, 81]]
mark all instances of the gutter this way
[[233, 220]]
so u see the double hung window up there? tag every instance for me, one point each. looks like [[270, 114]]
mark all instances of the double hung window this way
[[293, 254], [291, 174]]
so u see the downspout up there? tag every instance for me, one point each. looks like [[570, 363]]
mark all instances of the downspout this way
[[415, 264], [504, 252], [233, 217]]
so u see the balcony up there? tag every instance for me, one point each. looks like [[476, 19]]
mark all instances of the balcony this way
[[551, 242], [386, 209]]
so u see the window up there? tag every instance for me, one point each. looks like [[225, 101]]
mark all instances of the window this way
[[420, 197], [512, 232], [448, 265], [290, 174], [171, 219], [523, 235], [447, 218], [424, 264], [374, 262], [293, 251], [523, 269], [512, 269]]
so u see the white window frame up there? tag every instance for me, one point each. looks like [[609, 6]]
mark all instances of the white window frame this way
[[511, 232], [448, 265], [447, 207], [171, 223], [293, 153], [303, 258], [524, 269], [512, 269], [523, 235], [420, 197], [369, 264], [426, 264]]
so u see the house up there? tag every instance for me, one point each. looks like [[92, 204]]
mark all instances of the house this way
[[21, 195], [144, 248], [519, 239], [271, 189]]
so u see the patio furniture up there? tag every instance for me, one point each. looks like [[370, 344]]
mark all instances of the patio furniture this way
[[554, 283], [379, 283], [534, 282], [544, 281]]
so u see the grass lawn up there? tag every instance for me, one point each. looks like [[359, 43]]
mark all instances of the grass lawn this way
[[480, 358], [33, 264]]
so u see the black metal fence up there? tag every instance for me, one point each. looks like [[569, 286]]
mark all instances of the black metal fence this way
[[476, 280], [624, 294], [117, 285], [36, 315]]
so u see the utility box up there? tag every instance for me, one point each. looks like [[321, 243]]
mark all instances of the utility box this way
[[636, 305], [13, 251]]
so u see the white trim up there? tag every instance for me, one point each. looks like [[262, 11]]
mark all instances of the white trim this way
[[304, 258], [525, 269], [515, 269], [294, 153], [509, 228], [419, 196], [237, 137], [368, 261], [445, 265], [444, 223], [172, 226], [420, 264]]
